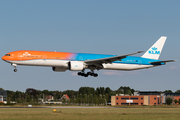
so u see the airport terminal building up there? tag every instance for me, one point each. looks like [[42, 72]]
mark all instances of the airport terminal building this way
[[143, 98]]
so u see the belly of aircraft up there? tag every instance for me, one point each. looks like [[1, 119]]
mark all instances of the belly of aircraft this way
[[48, 63], [119, 66]]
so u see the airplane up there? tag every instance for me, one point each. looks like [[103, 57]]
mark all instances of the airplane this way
[[62, 61]]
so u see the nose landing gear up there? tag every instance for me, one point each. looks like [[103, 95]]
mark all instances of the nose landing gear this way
[[15, 70]]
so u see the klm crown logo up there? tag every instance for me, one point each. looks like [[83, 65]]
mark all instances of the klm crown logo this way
[[154, 48], [154, 51]]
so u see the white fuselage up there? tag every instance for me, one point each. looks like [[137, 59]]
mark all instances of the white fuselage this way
[[64, 64]]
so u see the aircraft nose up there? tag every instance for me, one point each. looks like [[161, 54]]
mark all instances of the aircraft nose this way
[[4, 58]]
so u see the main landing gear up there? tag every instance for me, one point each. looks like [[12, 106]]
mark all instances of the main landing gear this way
[[15, 70], [87, 74]]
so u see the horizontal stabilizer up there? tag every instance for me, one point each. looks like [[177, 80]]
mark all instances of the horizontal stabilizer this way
[[162, 61]]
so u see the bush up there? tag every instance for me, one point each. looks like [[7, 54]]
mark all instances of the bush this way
[[2, 103], [176, 101], [169, 101]]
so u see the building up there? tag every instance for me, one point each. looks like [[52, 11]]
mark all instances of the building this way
[[49, 98], [136, 100], [65, 97], [174, 96], [3, 96], [139, 98]]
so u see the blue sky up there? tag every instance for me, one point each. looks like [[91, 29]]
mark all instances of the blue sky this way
[[107, 27]]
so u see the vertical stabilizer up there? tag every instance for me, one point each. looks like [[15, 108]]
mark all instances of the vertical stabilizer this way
[[155, 51]]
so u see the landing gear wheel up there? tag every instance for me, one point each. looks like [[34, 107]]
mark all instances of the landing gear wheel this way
[[79, 73], [82, 74], [85, 75], [92, 74], [15, 70], [89, 73], [95, 75]]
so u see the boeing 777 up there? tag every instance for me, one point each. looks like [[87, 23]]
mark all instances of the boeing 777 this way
[[62, 61]]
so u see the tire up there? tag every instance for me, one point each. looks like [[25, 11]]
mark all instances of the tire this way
[[79, 73], [82, 74], [95, 75], [85, 75], [92, 74]]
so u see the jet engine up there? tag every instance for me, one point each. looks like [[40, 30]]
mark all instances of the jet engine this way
[[59, 69], [76, 65]]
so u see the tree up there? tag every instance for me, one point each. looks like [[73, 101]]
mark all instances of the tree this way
[[119, 92], [132, 91], [169, 101], [86, 90], [112, 93], [1, 89], [98, 91], [178, 91], [168, 91], [102, 90], [126, 90], [108, 90]]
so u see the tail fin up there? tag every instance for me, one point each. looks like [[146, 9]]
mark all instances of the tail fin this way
[[155, 51]]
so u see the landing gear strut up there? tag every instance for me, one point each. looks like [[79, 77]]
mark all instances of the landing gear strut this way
[[87, 74], [15, 70]]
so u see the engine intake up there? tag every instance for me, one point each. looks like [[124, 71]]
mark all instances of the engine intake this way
[[76, 65]]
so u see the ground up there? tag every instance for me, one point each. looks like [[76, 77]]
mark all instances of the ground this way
[[89, 113]]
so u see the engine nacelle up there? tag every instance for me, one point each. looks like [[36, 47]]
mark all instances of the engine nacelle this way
[[76, 65], [59, 69]]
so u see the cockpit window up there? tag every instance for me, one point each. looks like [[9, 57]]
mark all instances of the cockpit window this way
[[7, 55]]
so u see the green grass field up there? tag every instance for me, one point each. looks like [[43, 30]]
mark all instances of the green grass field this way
[[90, 114]]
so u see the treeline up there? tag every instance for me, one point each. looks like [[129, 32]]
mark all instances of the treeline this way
[[84, 95], [100, 95]]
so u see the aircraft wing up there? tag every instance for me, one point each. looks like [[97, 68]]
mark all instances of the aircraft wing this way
[[158, 62], [109, 59]]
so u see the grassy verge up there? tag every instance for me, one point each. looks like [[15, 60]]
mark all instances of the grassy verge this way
[[90, 114]]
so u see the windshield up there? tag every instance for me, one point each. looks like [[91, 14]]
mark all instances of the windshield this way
[[7, 55]]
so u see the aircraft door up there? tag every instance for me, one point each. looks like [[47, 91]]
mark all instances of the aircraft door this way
[[140, 62], [44, 57], [20, 56]]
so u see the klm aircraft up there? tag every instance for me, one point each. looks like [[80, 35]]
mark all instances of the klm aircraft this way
[[62, 61]]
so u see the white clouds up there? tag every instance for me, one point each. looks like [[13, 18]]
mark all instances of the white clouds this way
[[175, 67]]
